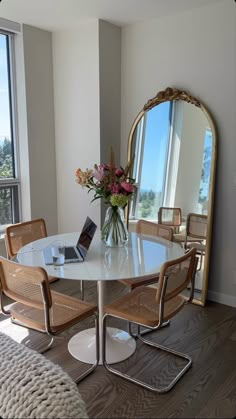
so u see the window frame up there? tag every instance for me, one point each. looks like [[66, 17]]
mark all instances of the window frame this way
[[14, 182]]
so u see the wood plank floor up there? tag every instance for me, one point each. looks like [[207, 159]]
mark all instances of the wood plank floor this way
[[207, 390]]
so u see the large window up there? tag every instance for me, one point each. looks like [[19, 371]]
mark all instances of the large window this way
[[9, 181]]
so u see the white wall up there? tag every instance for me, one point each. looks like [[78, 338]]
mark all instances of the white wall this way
[[194, 51], [110, 91], [77, 120], [36, 123], [87, 112]]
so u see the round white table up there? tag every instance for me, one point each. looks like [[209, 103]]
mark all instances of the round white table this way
[[142, 257]]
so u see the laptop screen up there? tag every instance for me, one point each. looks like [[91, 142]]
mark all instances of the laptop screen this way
[[86, 237]]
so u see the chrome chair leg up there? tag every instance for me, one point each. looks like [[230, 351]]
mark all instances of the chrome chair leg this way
[[92, 368], [143, 332], [2, 308], [26, 343], [49, 345], [137, 381], [82, 290]]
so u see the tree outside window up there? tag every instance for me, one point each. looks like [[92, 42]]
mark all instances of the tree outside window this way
[[9, 183]]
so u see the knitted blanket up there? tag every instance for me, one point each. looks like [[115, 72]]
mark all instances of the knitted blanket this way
[[33, 387]]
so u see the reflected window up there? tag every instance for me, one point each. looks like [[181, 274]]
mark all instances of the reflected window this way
[[206, 169], [151, 151]]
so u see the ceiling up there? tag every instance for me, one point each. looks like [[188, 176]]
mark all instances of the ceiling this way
[[60, 14]]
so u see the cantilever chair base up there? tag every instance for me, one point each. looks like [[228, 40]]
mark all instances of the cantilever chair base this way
[[52, 340], [145, 331], [155, 345], [152, 308], [44, 348]]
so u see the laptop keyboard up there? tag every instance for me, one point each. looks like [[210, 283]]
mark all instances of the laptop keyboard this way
[[70, 253]]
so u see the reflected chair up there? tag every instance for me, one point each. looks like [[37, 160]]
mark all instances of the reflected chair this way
[[152, 229], [151, 307], [172, 217], [36, 307], [196, 228]]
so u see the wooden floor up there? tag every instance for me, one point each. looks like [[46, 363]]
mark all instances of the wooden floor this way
[[207, 390]]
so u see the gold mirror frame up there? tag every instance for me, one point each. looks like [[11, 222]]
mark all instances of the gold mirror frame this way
[[171, 94]]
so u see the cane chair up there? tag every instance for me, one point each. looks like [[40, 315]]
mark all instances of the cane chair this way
[[196, 228], [20, 234], [37, 307], [152, 229], [151, 307], [170, 216]]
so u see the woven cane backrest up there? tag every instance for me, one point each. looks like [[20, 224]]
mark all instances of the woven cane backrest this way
[[18, 235], [170, 216], [196, 226], [175, 276], [23, 283], [154, 229]]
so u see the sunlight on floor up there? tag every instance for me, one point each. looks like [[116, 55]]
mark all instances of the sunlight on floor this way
[[18, 333]]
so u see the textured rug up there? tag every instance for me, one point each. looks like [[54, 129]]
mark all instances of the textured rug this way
[[33, 387]]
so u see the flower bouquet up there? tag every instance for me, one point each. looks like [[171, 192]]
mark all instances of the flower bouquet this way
[[111, 183]]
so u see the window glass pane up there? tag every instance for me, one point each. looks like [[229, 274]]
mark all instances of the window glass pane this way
[[8, 197], [6, 145], [9, 184], [155, 152]]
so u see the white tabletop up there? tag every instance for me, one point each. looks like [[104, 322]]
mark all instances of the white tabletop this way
[[141, 257]]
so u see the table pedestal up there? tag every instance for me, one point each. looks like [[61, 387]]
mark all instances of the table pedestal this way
[[119, 346]]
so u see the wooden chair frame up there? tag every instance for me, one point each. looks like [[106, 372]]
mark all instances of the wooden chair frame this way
[[162, 292], [174, 225], [11, 247], [158, 229]]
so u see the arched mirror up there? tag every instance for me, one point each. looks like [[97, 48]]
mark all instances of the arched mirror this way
[[173, 143]]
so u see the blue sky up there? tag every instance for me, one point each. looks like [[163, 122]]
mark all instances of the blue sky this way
[[155, 149], [4, 103]]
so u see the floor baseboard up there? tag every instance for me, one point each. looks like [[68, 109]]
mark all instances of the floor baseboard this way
[[218, 297]]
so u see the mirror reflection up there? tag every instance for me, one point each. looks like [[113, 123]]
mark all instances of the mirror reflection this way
[[173, 144], [168, 140]]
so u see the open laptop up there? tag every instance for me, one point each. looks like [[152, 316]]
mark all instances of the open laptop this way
[[75, 253]]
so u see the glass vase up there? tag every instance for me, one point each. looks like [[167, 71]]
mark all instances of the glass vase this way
[[114, 231]]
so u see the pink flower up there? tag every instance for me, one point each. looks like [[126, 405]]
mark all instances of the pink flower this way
[[104, 166], [119, 172], [115, 188], [128, 187], [98, 173]]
